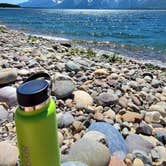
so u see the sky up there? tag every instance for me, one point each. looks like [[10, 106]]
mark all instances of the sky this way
[[12, 1]]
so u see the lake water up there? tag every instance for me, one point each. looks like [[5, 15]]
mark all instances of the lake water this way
[[136, 33]]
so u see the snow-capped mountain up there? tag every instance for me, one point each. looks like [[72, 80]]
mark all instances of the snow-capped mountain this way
[[97, 4]]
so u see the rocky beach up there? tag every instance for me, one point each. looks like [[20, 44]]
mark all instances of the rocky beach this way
[[111, 110]]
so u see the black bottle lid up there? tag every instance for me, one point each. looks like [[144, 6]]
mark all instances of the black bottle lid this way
[[33, 91]]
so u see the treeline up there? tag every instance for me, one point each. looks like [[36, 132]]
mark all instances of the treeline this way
[[6, 5]]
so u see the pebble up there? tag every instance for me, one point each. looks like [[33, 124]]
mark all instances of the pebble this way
[[73, 163], [116, 161], [155, 83], [136, 142], [132, 117], [155, 155], [60, 138], [110, 114], [89, 152], [138, 162], [114, 76], [65, 120], [144, 129], [101, 72], [148, 79], [36, 52], [82, 99], [123, 101], [8, 154], [162, 153], [3, 113], [114, 90], [106, 99], [146, 159], [115, 141], [95, 136], [78, 126], [151, 139], [23, 72], [161, 137], [98, 116], [63, 87], [152, 117], [161, 108], [136, 100], [71, 66], [8, 75], [8, 95]]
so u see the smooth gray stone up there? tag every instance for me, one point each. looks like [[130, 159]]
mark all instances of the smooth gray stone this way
[[63, 87], [136, 142], [3, 113], [89, 152], [71, 66], [8, 75], [114, 139], [8, 95], [65, 120]]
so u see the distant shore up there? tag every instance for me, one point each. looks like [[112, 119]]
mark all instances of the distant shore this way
[[7, 5], [91, 45]]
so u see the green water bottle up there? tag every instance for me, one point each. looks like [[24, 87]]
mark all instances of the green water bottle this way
[[36, 123]]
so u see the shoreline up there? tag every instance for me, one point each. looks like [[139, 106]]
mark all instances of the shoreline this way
[[94, 45]]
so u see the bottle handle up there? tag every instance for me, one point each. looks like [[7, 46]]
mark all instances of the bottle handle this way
[[40, 75]]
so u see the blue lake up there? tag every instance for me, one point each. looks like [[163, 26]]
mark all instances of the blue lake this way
[[138, 33]]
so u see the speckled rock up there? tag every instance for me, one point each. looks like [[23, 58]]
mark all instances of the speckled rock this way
[[82, 99]]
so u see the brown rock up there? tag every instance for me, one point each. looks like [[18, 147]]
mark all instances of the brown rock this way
[[123, 101], [132, 117], [101, 72]]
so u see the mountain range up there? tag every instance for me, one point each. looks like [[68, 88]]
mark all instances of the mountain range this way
[[97, 4]]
